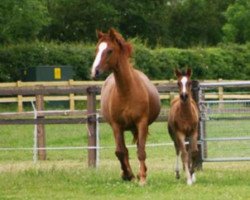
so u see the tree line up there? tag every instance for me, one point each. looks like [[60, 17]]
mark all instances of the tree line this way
[[174, 23]]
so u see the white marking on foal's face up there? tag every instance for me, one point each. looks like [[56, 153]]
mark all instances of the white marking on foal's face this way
[[102, 46], [184, 84]]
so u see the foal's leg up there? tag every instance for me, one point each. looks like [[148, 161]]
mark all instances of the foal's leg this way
[[122, 154], [177, 151], [177, 164], [141, 153], [184, 156], [194, 154]]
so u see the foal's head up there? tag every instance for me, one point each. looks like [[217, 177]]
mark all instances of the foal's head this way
[[184, 83], [110, 47]]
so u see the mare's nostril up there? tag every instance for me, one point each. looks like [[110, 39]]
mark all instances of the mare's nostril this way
[[97, 72]]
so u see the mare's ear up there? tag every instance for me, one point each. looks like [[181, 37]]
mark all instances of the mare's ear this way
[[112, 34], [177, 72], [189, 72], [99, 34], [117, 37], [129, 49]]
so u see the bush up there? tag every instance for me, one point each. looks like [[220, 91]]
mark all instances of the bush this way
[[225, 61], [16, 59]]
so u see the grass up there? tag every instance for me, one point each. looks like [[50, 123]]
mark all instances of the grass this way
[[65, 174], [73, 180]]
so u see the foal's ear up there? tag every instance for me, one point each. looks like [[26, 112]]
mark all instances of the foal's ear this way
[[177, 72], [189, 72], [99, 34]]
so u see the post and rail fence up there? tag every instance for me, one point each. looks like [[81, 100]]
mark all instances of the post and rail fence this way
[[76, 90]]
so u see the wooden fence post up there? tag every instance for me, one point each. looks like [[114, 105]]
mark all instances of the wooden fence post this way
[[41, 141], [71, 97], [91, 124], [19, 99], [195, 93], [220, 95], [171, 94]]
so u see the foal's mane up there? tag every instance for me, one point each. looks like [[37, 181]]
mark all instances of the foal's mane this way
[[116, 37]]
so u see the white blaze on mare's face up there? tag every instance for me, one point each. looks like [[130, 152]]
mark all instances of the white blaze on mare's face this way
[[184, 84], [102, 46]]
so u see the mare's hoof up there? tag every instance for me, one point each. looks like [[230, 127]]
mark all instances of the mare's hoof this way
[[142, 180], [128, 177]]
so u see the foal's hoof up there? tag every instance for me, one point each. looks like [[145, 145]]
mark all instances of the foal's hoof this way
[[193, 178], [177, 175], [189, 182]]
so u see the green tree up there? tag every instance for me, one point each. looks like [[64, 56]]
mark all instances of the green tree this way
[[145, 19], [237, 28], [21, 20], [77, 20], [193, 22]]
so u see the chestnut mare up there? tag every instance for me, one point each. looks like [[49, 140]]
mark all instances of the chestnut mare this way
[[129, 101], [183, 123]]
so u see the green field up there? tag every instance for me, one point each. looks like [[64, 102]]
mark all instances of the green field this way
[[65, 174]]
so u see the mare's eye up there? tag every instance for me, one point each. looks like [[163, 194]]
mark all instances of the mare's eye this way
[[179, 84], [109, 52]]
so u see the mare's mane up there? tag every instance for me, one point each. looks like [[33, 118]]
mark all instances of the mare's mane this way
[[116, 37]]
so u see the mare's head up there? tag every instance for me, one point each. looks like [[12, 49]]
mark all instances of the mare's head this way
[[184, 83], [110, 48]]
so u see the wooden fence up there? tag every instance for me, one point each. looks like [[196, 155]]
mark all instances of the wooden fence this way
[[72, 97], [40, 92]]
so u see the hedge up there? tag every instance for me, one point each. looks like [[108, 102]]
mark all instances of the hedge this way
[[225, 61]]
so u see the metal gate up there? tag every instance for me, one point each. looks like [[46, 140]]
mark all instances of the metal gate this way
[[224, 124]]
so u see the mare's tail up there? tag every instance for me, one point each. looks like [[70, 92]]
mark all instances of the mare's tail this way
[[135, 134]]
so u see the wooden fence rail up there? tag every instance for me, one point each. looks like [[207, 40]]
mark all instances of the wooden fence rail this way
[[21, 92]]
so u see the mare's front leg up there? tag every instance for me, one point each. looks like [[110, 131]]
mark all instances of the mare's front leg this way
[[141, 153], [122, 153]]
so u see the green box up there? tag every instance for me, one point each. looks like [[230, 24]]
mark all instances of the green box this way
[[49, 73]]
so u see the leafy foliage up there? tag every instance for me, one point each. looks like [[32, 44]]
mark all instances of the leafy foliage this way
[[237, 28], [174, 23], [22, 20]]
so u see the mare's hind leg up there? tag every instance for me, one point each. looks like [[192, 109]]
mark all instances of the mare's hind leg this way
[[122, 154], [184, 156], [141, 153]]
